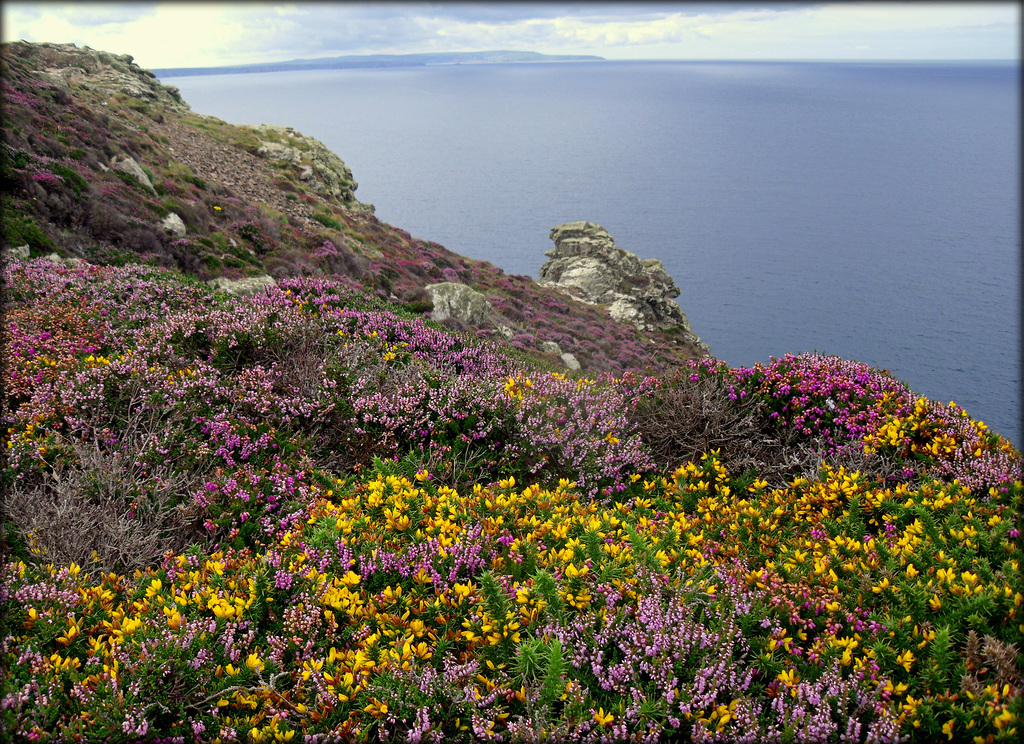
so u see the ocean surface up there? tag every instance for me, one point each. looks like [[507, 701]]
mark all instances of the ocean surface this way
[[869, 210]]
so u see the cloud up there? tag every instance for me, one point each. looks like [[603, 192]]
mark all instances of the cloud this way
[[191, 34]]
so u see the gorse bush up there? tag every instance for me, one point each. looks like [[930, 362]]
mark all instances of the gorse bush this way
[[305, 515]]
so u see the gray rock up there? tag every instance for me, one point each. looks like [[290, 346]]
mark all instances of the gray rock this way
[[587, 264], [57, 260], [129, 166], [243, 287], [279, 152], [627, 310], [21, 253], [173, 224], [454, 300], [507, 332], [550, 347], [570, 361]]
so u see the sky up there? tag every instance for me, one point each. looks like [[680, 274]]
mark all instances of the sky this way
[[202, 34]]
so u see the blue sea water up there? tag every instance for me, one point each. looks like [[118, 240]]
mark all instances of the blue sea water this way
[[869, 210]]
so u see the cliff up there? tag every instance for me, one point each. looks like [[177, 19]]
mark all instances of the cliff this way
[[104, 164]]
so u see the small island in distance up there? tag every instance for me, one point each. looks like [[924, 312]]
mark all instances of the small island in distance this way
[[380, 60]]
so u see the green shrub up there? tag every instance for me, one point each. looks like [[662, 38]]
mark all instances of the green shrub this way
[[327, 221], [21, 230], [420, 306], [79, 184]]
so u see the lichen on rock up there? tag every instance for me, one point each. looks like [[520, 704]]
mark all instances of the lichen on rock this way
[[454, 300], [243, 287]]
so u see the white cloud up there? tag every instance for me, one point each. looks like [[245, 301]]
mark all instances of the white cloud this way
[[189, 34]]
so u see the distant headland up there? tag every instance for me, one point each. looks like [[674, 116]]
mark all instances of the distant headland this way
[[380, 60]]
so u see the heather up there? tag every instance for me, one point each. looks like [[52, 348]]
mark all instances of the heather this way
[[69, 116], [310, 515]]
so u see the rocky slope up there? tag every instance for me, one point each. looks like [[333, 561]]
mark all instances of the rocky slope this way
[[104, 164]]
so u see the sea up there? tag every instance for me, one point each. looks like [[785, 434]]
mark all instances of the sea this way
[[868, 210]]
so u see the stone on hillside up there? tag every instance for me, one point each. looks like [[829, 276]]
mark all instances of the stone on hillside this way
[[129, 166], [454, 300], [587, 264], [279, 152], [22, 253], [550, 347], [570, 361], [243, 287], [174, 225]]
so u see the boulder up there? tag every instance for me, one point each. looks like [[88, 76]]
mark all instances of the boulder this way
[[570, 361], [243, 287], [279, 152], [58, 260], [21, 253], [550, 347], [174, 225], [587, 264], [132, 168], [454, 300]]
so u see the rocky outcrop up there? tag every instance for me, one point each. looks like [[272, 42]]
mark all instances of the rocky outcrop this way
[[587, 264], [454, 300], [244, 287], [321, 168], [114, 74]]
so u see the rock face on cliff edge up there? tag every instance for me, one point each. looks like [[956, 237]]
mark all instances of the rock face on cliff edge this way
[[587, 264], [114, 73], [321, 168]]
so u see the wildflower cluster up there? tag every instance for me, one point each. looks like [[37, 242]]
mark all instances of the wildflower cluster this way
[[394, 532]]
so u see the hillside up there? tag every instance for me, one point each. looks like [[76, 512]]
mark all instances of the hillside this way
[[246, 202], [252, 493]]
